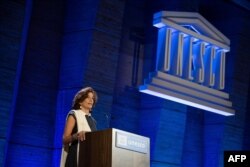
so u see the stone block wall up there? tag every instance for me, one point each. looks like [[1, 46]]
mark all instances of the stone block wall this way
[[32, 129], [73, 44], [11, 29]]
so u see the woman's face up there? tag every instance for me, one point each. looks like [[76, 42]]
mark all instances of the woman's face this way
[[88, 102]]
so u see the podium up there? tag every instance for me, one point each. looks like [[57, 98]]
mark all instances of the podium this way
[[114, 148]]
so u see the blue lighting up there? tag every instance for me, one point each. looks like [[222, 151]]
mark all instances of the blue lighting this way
[[190, 66], [191, 27]]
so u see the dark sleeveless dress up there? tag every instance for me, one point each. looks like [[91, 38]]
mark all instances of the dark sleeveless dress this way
[[71, 160]]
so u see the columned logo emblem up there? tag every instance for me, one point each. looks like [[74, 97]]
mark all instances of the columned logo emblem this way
[[190, 64]]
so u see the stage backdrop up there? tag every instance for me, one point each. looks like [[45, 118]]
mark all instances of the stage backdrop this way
[[50, 49]]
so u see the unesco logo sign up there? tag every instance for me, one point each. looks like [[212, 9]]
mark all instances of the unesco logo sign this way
[[132, 142], [190, 63]]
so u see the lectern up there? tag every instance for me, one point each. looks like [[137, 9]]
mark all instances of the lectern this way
[[114, 148]]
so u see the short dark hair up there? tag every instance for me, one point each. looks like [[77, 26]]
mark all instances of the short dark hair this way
[[81, 96]]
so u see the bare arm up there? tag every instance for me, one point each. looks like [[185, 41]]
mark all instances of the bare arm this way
[[67, 137]]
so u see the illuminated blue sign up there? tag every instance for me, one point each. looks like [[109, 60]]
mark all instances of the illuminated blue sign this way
[[190, 65]]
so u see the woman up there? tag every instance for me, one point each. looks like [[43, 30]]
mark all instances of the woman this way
[[78, 122]]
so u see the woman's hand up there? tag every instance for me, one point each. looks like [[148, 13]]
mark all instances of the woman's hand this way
[[81, 135]]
